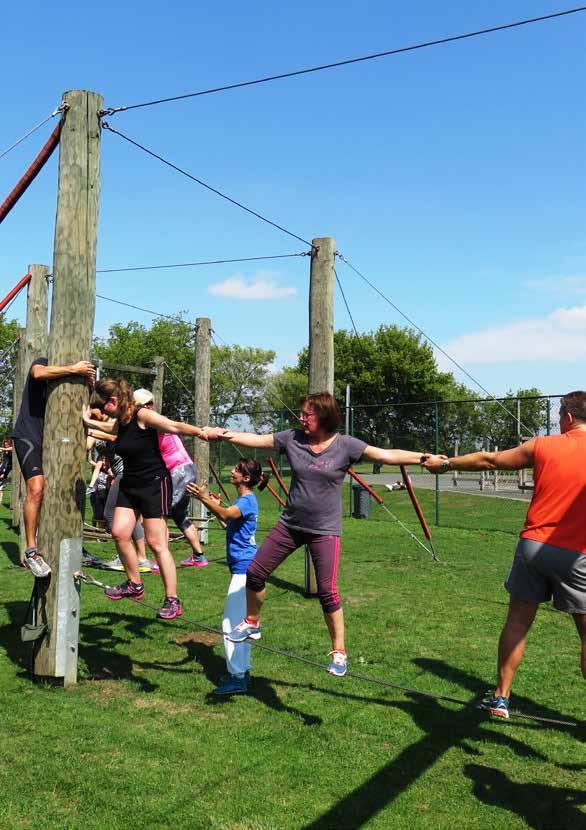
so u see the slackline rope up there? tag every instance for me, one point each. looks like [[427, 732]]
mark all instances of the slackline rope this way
[[80, 575]]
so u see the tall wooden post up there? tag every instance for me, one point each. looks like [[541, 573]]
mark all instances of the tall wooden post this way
[[72, 322], [201, 450], [16, 401], [321, 340], [159, 365], [35, 342]]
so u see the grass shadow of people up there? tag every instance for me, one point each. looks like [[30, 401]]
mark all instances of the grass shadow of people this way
[[541, 806], [200, 647]]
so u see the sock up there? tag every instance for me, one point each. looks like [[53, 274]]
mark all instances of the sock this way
[[250, 621]]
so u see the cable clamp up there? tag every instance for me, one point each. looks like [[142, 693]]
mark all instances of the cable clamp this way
[[111, 111]]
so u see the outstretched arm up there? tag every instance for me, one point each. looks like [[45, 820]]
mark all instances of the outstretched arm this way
[[249, 439], [213, 505], [153, 419], [517, 458], [82, 367], [391, 456]]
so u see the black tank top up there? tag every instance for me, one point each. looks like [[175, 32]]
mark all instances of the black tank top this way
[[139, 449]]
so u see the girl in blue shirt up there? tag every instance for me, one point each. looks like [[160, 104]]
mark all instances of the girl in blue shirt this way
[[241, 518]]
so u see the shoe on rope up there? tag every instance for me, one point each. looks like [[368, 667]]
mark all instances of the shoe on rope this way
[[154, 567], [89, 560], [35, 563], [127, 590], [194, 561], [232, 685], [170, 609], [113, 565], [144, 566], [246, 630], [339, 665], [496, 705]]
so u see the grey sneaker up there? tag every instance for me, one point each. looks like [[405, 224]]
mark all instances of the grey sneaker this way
[[339, 665], [35, 563]]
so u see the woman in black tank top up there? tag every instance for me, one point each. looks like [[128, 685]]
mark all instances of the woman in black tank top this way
[[145, 487]]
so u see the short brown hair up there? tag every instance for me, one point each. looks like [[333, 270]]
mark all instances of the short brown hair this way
[[326, 408], [250, 467], [574, 404]]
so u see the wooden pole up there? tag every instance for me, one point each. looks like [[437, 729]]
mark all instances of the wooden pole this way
[[321, 340], [201, 450], [16, 401], [72, 322], [35, 342], [159, 365]]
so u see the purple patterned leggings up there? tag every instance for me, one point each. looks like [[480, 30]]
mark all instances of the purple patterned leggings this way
[[280, 543]]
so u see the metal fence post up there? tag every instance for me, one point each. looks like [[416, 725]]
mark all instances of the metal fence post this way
[[548, 427]]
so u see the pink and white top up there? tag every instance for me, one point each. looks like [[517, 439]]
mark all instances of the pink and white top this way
[[173, 452]]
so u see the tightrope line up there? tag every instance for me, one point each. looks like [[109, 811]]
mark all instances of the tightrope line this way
[[315, 663]]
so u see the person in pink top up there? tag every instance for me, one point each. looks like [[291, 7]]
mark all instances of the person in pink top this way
[[183, 472]]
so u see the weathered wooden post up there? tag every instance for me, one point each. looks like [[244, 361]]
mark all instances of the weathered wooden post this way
[[159, 366], [72, 322], [34, 343], [201, 450], [321, 340], [16, 399]]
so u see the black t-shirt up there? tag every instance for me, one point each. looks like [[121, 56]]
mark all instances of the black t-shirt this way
[[139, 450], [31, 416]]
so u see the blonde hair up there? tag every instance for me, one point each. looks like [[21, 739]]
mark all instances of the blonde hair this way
[[121, 389]]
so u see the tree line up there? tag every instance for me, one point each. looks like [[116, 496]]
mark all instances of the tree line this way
[[392, 372]]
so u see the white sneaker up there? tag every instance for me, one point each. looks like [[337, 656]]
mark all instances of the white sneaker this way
[[36, 564], [114, 564], [339, 665], [144, 566]]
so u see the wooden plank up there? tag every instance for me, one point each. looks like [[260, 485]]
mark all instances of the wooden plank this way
[[123, 367]]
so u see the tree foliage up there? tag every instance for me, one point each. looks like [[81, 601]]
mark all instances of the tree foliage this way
[[9, 331], [238, 374]]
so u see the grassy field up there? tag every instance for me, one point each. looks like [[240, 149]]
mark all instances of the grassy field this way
[[140, 743]]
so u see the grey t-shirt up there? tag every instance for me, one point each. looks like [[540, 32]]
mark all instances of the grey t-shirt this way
[[315, 503]]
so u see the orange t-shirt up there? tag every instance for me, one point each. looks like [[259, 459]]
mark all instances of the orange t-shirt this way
[[557, 513]]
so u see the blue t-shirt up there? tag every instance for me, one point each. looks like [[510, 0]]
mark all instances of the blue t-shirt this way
[[240, 541]]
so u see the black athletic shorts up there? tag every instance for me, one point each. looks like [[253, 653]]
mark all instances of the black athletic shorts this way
[[152, 500], [30, 457]]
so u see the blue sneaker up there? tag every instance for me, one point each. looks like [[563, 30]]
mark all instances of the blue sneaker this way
[[232, 685], [496, 705], [339, 665], [246, 630]]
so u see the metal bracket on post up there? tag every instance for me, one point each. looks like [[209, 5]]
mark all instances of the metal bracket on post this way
[[68, 603]]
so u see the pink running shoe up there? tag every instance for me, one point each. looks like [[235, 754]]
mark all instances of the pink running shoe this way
[[194, 561], [154, 565], [170, 609]]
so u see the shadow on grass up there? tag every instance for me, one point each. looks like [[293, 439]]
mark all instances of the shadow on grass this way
[[12, 551], [17, 652], [540, 805], [201, 649], [445, 730], [98, 648]]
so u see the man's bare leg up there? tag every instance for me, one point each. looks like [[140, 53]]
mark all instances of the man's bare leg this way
[[580, 620], [512, 643], [35, 487]]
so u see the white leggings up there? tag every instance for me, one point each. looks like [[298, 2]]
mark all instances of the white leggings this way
[[237, 654]]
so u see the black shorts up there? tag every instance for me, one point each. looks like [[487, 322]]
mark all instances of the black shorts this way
[[30, 457], [152, 500]]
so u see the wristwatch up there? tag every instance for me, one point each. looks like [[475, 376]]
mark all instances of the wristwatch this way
[[444, 466]]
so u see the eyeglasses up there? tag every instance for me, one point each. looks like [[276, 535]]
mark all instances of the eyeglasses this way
[[305, 416]]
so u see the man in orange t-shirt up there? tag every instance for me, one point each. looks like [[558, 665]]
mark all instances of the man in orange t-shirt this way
[[550, 559]]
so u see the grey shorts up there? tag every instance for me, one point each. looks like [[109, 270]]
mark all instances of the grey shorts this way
[[540, 572], [181, 477]]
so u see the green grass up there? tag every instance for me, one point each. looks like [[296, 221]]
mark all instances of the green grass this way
[[139, 743]]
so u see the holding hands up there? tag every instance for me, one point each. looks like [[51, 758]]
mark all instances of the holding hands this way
[[435, 463]]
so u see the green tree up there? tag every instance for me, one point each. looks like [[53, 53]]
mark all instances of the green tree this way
[[279, 406], [499, 421], [238, 374], [9, 331]]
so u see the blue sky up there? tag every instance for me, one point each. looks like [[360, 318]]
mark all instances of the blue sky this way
[[453, 177]]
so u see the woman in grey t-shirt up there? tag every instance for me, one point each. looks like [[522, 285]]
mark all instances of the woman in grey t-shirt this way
[[319, 458]]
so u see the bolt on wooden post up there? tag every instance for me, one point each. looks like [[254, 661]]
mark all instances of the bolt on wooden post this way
[[70, 340], [201, 449], [34, 344], [321, 340]]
